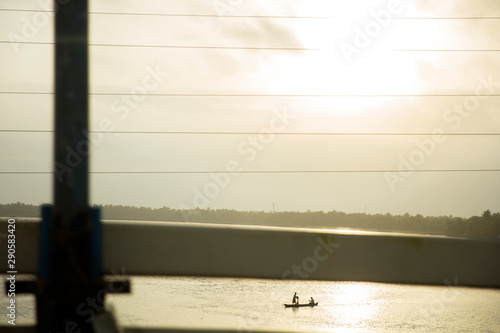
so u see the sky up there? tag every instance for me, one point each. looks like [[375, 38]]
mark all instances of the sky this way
[[313, 67]]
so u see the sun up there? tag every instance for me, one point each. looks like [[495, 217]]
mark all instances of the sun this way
[[377, 68]]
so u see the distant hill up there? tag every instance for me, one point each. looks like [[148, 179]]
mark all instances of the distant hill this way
[[486, 226]]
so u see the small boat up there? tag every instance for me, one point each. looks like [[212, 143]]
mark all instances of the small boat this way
[[300, 305]]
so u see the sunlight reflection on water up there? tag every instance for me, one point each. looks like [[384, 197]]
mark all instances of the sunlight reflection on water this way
[[356, 302]]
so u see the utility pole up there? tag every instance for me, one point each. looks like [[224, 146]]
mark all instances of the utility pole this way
[[71, 146], [69, 270]]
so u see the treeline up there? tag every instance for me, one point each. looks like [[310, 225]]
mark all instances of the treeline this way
[[486, 226]]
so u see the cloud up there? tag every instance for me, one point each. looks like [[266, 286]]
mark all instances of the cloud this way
[[261, 33]]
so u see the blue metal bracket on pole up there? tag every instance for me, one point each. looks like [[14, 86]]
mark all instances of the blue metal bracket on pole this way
[[44, 262]]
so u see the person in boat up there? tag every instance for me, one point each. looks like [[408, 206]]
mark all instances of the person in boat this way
[[311, 301], [295, 297]]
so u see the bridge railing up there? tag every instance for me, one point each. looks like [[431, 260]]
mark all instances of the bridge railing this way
[[190, 249]]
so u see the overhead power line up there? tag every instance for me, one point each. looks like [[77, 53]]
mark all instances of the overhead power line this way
[[256, 95], [217, 47], [255, 171], [257, 133], [179, 46], [344, 17]]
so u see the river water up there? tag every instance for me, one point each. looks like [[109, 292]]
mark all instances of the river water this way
[[252, 305], [249, 305]]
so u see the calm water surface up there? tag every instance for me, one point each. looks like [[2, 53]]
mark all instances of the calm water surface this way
[[249, 304]]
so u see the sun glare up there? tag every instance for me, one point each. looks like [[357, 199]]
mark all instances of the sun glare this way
[[375, 70]]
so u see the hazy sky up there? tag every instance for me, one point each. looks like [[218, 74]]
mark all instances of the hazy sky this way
[[357, 48]]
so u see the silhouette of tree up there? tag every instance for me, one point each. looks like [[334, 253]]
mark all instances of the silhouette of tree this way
[[487, 214], [486, 226]]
